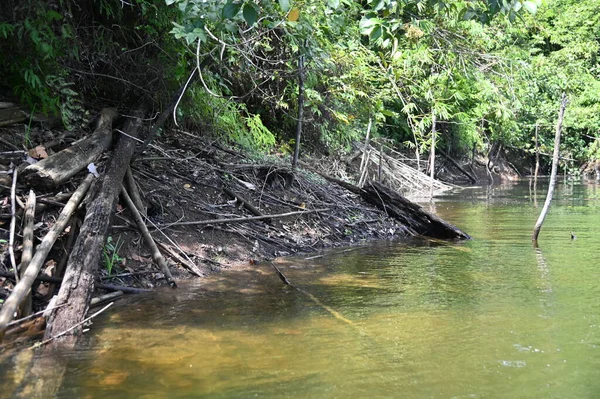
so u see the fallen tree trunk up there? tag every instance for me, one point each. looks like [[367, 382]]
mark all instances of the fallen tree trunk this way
[[410, 214], [24, 285], [80, 276], [63, 165]]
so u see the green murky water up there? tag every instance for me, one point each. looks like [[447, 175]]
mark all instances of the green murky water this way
[[487, 318]]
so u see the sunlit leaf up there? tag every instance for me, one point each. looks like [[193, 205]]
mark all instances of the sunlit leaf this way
[[285, 5], [293, 15]]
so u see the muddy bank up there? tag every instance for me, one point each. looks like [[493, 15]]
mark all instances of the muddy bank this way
[[205, 205]]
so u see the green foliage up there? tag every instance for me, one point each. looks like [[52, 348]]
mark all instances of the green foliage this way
[[111, 253]]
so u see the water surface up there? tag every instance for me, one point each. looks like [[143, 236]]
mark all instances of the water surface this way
[[491, 317]]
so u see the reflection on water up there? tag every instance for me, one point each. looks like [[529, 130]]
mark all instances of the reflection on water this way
[[491, 317]]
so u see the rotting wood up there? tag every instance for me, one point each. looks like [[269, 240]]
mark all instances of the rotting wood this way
[[546, 207], [60, 267], [11, 116], [156, 255], [23, 286], [243, 220], [63, 165], [25, 307], [31, 316], [80, 276], [410, 214]]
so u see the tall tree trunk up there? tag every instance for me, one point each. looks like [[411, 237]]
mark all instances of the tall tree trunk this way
[[300, 110], [540, 221], [432, 165], [537, 154]]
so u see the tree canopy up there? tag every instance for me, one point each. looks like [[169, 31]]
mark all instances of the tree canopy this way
[[487, 71]]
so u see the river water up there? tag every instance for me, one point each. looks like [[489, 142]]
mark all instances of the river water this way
[[491, 317]]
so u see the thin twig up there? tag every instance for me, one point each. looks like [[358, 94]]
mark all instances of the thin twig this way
[[31, 316], [243, 220], [71, 328]]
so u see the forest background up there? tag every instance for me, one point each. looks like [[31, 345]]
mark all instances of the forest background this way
[[488, 72]]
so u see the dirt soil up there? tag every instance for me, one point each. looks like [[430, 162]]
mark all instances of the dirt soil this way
[[183, 179]]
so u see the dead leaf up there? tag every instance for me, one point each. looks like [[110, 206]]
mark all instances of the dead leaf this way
[[43, 289], [139, 258], [49, 267], [294, 14], [38, 152]]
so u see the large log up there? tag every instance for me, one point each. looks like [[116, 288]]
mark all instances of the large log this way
[[411, 214], [63, 165], [78, 283]]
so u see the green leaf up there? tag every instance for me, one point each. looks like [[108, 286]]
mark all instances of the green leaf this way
[[285, 5], [376, 33], [250, 14], [230, 10], [367, 25]]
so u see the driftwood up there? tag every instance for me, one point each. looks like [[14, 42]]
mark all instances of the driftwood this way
[[156, 255], [25, 307], [63, 165], [23, 286], [78, 283]]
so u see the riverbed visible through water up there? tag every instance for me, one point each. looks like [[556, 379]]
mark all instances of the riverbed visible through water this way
[[487, 318]]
